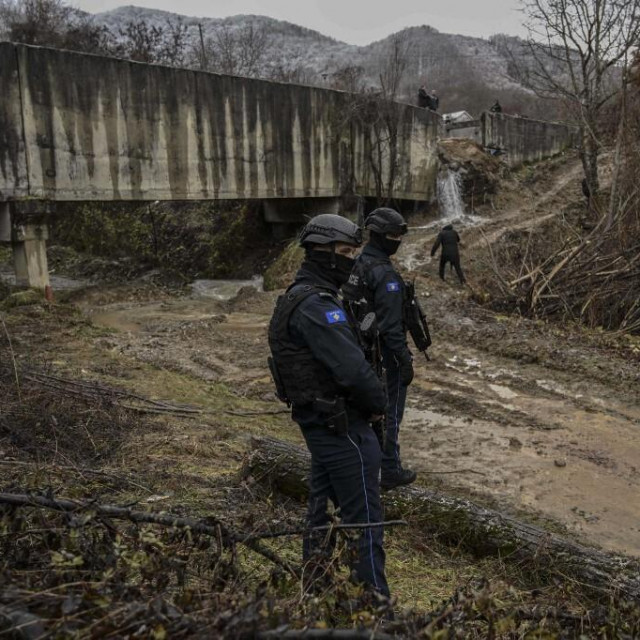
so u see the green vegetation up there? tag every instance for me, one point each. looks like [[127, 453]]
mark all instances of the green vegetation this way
[[216, 240], [280, 273]]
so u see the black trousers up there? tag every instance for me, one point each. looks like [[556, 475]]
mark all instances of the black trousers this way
[[345, 469], [397, 398], [455, 262]]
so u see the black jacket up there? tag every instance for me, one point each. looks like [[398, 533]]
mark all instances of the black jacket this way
[[320, 323], [423, 98], [387, 290], [449, 239]]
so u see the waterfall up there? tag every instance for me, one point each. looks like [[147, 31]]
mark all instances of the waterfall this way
[[450, 195]]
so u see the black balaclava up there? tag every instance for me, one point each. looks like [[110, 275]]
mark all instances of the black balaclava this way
[[332, 266], [380, 241]]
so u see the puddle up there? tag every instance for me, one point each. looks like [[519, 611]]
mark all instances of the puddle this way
[[504, 392], [125, 317], [223, 289], [424, 417], [58, 283], [554, 387]]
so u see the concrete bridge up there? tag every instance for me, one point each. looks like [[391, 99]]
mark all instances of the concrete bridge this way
[[78, 127]]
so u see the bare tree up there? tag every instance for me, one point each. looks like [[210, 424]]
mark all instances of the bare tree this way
[[576, 48], [52, 23], [238, 51], [349, 78], [164, 44], [378, 115]]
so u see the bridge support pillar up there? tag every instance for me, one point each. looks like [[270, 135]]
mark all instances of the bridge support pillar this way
[[30, 256], [5, 222], [22, 223]]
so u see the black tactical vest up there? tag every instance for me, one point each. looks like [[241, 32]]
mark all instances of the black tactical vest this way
[[300, 379], [357, 291]]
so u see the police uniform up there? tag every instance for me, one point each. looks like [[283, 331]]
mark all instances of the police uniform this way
[[319, 359], [385, 293]]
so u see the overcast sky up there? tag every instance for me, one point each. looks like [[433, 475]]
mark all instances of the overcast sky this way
[[354, 21]]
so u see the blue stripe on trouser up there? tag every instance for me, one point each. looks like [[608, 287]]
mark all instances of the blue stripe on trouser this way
[[366, 502], [345, 470], [397, 394]]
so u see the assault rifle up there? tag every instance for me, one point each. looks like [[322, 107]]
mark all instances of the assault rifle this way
[[415, 320], [370, 339]]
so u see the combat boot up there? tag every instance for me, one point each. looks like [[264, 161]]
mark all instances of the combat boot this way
[[392, 479]]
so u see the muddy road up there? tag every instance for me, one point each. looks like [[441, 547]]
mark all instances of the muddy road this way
[[538, 420]]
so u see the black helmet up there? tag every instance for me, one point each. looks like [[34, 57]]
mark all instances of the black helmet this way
[[385, 220], [329, 227]]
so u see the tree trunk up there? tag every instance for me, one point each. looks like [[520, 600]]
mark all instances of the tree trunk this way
[[461, 522], [589, 157]]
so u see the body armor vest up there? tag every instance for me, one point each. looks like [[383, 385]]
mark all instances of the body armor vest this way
[[300, 379], [357, 291]]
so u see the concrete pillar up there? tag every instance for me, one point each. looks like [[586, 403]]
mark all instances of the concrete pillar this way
[[5, 222], [30, 256]]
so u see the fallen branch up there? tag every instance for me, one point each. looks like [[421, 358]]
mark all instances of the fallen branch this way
[[166, 520], [328, 527], [470, 525]]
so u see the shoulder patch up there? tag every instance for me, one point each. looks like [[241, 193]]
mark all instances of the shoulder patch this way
[[393, 286], [335, 315]]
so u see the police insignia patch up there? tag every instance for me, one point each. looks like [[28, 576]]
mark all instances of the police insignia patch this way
[[335, 315], [393, 286]]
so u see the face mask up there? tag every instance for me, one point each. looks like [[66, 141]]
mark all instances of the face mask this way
[[390, 246], [385, 244], [338, 274]]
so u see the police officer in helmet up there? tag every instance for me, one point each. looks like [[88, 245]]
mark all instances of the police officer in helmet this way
[[320, 369], [376, 280]]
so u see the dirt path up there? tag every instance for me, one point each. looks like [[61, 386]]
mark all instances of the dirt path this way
[[529, 417]]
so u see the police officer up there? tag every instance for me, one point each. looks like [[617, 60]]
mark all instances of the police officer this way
[[375, 278], [320, 369], [449, 240]]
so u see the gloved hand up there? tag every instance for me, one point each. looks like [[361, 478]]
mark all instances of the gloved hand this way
[[405, 364]]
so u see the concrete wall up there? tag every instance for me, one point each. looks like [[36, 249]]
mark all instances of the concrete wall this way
[[471, 129], [525, 140], [83, 127]]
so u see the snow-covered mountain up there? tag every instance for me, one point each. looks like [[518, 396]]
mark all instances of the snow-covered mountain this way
[[468, 73]]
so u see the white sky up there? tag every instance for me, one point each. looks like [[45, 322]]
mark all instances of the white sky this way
[[353, 21]]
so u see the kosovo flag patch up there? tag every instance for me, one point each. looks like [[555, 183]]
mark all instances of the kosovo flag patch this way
[[334, 316], [393, 286]]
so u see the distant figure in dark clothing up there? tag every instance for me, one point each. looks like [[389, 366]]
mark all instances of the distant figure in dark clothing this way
[[449, 239], [434, 101], [496, 107], [423, 97]]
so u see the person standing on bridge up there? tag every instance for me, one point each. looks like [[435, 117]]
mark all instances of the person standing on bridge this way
[[423, 97], [320, 370], [376, 281], [449, 240]]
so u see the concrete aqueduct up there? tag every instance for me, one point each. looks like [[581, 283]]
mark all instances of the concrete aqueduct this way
[[78, 127]]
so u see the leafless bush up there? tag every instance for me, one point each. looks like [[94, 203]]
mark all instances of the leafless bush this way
[[144, 42], [236, 51], [52, 23]]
